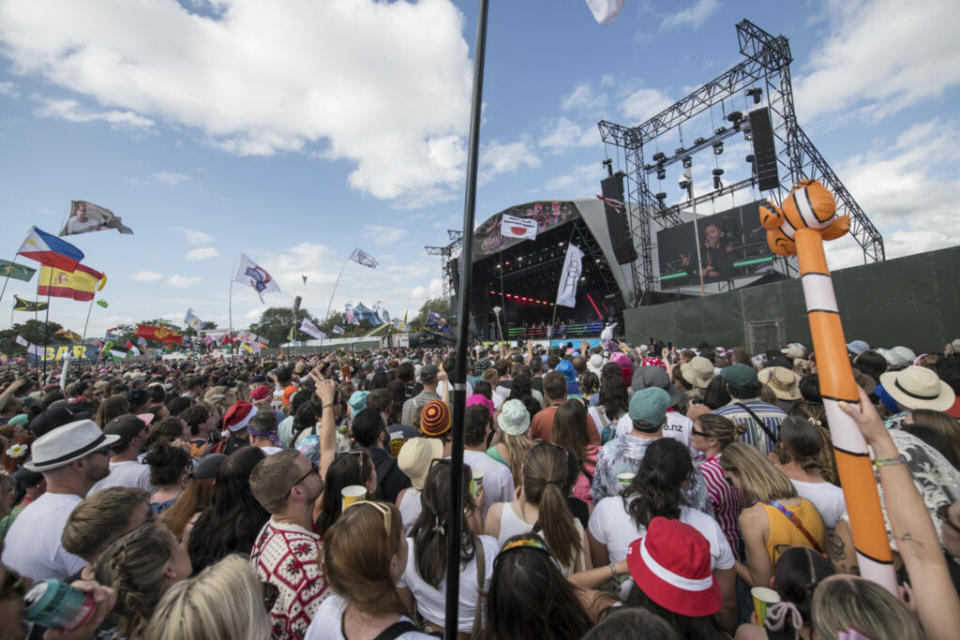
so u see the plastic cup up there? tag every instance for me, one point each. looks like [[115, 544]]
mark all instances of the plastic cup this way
[[625, 479], [351, 494], [476, 482], [763, 599]]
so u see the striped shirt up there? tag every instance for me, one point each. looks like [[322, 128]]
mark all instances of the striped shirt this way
[[726, 499], [771, 416]]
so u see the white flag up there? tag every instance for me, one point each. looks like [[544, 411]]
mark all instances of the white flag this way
[[311, 330], [514, 227], [363, 258], [256, 276], [35, 350], [570, 277], [192, 320], [22, 341], [604, 11]]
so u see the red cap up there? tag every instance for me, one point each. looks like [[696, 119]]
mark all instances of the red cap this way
[[259, 393]]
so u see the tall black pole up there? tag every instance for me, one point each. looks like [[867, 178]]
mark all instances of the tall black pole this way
[[463, 324]]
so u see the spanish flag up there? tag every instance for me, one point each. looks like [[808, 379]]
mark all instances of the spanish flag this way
[[77, 285]]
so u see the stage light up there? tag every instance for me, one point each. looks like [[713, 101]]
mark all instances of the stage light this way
[[660, 198], [506, 263], [736, 118], [747, 134], [718, 147], [755, 93], [684, 181], [661, 174], [749, 158], [721, 131], [699, 141], [716, 178], [659, 157], [493, 293], [687, 162], [520, 258], [559, 244], [597, 260], [680, 150]]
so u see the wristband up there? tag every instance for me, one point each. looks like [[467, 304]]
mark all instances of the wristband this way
[[613, 574], [889, 462], [327, 406]]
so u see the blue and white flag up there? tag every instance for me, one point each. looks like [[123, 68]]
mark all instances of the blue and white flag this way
[[252, 274], [192, 320], [436, 321], [363, 258], [570, 277], [311, 330]]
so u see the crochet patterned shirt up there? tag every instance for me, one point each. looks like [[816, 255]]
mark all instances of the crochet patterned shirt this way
[[288, 556]]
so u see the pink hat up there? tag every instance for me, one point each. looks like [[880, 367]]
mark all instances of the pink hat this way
[[626, 366], [482, 400]]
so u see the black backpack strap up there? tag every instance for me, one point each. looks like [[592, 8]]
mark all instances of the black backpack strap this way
[[384, 467], [396, 630], [757, 419]]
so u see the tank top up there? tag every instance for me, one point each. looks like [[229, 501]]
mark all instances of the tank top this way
[[410, 508], [511, 525], [785, 534]]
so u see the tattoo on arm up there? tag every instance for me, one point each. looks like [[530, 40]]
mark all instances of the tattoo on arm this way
[[906, 537], [838, 554]]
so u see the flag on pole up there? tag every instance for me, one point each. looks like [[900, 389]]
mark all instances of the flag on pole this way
[[111, 333], [311, 330], [337, 329], [36, 350], [132, 348], [616, 204], [348, 313], [50, 250], [20, 340], [16, 271], [570, 277], [159, 334], [363, 258], [78, 284], [86, 216], [19, 304], [250, 273], [436, 321], [102, 303], [192, 320], [117, 355], [604, 11], [514, 227]]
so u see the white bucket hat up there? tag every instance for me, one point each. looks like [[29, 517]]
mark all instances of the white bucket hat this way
[[63, 445], [698, 372], [915, 388]]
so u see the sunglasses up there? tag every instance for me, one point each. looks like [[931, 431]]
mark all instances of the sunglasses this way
[[13, 584], [382, 508], [313, 469], [700, 433]]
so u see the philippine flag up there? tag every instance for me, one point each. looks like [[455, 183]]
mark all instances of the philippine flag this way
[[50, 250]]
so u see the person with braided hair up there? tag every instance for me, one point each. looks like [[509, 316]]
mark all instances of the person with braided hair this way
[[540, 505], [140, 566], [426, 566]]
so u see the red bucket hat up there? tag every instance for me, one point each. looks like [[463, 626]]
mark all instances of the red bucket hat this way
[[672, 565]]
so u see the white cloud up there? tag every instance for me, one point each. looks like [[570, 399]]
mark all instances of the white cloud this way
[[147, 276], [204, 253], [879, 59], [195, 237], [644, 103], [582, 182], [584, 98], [177, 280], [562, 134], [9, 89], [170, 178], [497, 158], [421, 293], [71, 111], [385, 86], [693, 16], [382, 235], [908, 191]]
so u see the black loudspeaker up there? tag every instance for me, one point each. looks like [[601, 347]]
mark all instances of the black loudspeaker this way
[[453, 269], [764, 151], [620, 236]]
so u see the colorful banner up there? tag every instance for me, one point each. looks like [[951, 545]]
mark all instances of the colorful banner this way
[[570, 277], [19, 304], [86, 217], [16, 271], [363, 258], [159, 334], [79, 284], [250, 273], [50, 250]]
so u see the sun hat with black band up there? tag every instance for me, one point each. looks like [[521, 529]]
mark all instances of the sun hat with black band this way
[[917, 388], [672, 565], [65, 444]]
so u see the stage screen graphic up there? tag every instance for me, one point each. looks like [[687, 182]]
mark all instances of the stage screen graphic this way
[[488, 240], [732, 245]]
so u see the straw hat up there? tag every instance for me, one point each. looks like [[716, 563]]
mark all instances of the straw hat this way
[[784, 382], [916, 388], [698, 372]]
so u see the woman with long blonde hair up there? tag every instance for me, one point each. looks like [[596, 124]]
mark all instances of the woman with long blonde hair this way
[[777, 518]]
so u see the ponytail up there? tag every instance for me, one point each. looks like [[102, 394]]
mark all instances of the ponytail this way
[[544, 481]]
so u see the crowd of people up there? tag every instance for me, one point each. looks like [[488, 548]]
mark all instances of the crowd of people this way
[[610, 491]]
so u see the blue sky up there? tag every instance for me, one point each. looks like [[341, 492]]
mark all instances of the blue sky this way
[[294, 131]]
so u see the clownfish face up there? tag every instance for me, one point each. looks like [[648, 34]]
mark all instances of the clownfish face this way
[[770, 216], [809, 205], [780, 244]]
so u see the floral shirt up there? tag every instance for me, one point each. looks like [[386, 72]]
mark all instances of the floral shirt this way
[[623, 454]]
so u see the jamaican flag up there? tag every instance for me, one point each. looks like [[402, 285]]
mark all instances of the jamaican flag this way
[[19, 304]]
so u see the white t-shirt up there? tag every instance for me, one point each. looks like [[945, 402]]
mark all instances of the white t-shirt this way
[[623, 424], [826, 497], [431, 602], [410, 508], [497, 479], [327, 624], [611, 525], [125, 474], [32, 547]]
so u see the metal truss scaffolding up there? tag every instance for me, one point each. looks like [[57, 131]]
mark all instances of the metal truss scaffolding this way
[[766, 67], [451, 277]]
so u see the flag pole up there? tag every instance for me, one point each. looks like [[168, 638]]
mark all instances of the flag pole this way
[[46, 319], [463, 323], [87, 321], [233, 277], [335, 284]]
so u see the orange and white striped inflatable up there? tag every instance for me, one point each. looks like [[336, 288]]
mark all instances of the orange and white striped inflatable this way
[[807, 218]]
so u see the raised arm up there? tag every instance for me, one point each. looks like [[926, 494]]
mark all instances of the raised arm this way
[[938, 606], [326, 388]]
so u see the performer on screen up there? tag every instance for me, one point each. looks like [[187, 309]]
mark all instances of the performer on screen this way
[[717, 261]]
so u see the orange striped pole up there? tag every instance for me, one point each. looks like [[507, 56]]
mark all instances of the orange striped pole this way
[[806, 220]]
